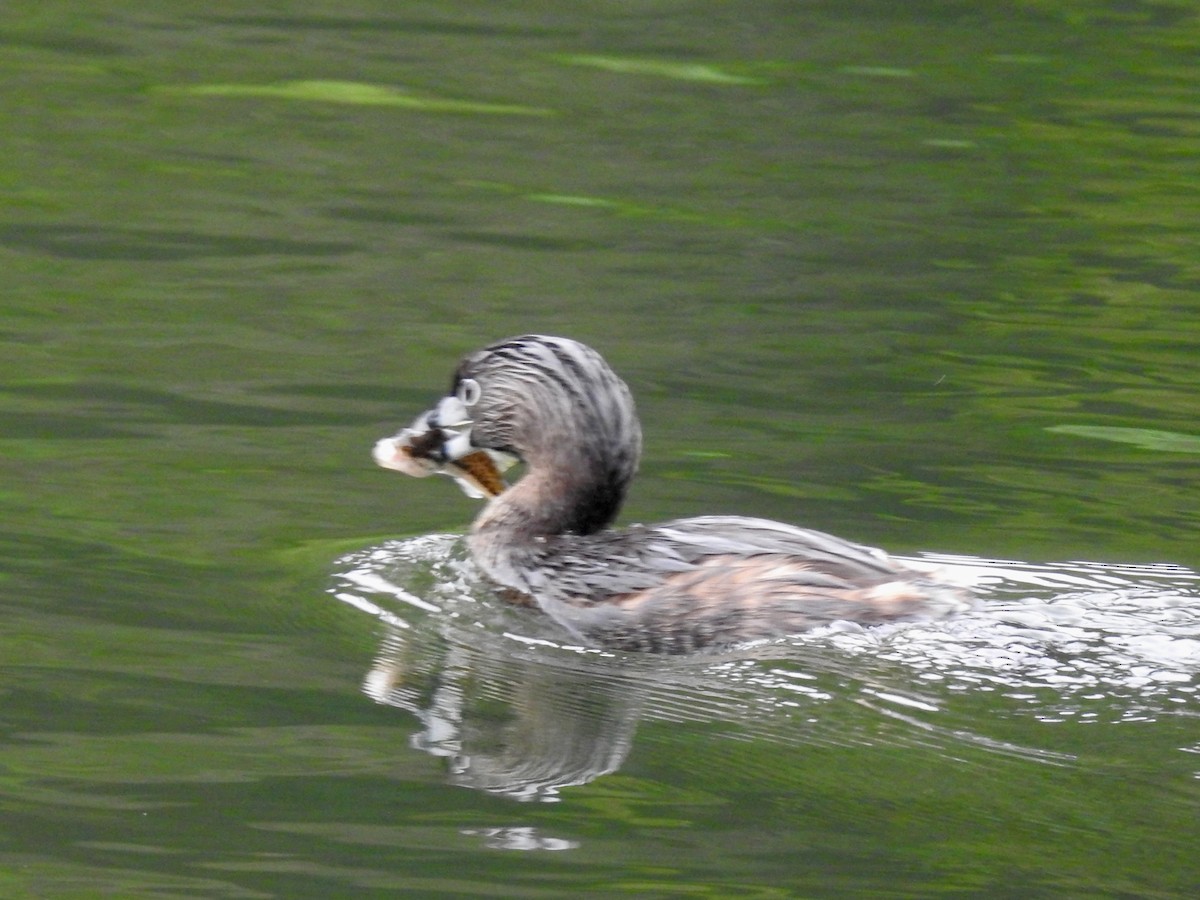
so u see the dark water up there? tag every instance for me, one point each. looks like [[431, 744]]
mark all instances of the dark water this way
[[919, 274]]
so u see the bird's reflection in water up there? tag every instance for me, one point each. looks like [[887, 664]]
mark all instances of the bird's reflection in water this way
[[511, 711], [515, 711], [504, 724]]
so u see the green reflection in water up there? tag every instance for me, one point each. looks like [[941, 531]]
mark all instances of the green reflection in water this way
[[356, 93], [1166, 441], [684, 71]]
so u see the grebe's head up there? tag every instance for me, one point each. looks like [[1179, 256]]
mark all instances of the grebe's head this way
[[550, 402]]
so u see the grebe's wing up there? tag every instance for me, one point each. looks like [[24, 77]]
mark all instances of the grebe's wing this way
[[600, 567]]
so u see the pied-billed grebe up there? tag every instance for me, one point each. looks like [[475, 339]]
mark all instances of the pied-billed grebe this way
[[555, 405]]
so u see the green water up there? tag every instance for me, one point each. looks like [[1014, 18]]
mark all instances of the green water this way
[[921, 274]]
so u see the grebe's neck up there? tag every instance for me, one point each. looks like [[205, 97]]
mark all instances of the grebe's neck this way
[[576, 496], [514, 527]]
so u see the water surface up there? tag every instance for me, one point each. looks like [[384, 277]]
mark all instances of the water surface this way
[[921, 275]]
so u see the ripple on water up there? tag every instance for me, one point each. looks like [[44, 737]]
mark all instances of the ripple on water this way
[[515, 708]]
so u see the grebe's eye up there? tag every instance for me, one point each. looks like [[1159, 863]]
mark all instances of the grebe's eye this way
[[469, 391]]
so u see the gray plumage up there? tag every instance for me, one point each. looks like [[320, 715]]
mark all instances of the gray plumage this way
[[674, 587]]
